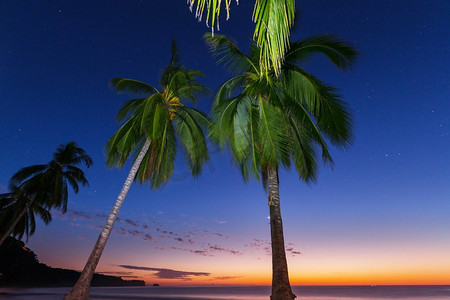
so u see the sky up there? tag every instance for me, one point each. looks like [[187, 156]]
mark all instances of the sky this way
[[379, 217]]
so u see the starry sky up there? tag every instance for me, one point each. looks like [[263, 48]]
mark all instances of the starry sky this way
[[379, 217]]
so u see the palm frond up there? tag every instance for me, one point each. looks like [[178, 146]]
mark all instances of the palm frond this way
[[340, 53], [273, 139], [77, 174], [332, 114], [228, 54], [227, 90], [165, 153], [213, 8], [122, 143], [273, 21], [304, 153], [44, 214], [188, 124], [128, 108], [173, 67], [299, 118], [27, 172], [223, 116], [239, 134], [132, 86]]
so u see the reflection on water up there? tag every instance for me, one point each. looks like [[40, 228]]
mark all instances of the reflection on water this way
[[240, 293]]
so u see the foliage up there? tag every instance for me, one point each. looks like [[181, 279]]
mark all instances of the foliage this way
[[16, 201], [278, 120], [273, 19], [39, 188], [161, 117]]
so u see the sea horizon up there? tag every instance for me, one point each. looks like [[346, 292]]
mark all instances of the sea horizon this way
[[241, 292]]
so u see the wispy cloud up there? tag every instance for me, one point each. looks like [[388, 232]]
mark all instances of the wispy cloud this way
[[121, 274], [292, 251], [222, 249], [226, 277], [80, 215], [164, 235], [167, 273], [264, 245], [220, 221]]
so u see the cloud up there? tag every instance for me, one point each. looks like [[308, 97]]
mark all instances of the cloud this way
[[221, 221], [226, 277], [193, 251], [221, 249], [121, 274], [167, 273], [262, 245], [220, 235], [81, 215], [134, 232], [188, 238], [292, 251], [131, 222]]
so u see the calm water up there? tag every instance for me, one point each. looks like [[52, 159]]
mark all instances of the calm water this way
[[241, 293]]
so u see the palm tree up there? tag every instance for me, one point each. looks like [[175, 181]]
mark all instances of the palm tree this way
[[269, 122], [37, 189], [154, 122], [17, 213], [273, 20]]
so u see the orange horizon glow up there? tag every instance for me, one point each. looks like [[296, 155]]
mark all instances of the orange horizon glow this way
[[306, 280]]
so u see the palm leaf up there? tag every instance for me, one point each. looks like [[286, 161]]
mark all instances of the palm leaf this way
[[272, 137], [298, 115], [332, 114], [27, 172], [129, 107], [228, 54], [132, 86], [304, 153], [122, 143], [227, 89], [273, 20], [188, 124], [341, 54], [173, 67], [213, 8]]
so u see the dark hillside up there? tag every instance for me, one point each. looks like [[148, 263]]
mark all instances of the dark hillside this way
[[20, 267]]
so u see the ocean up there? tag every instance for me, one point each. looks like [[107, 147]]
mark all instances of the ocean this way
[[239, 293]]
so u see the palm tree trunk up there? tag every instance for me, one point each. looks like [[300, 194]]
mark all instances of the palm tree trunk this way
[[14, 224], [81, 289], [281, 288]]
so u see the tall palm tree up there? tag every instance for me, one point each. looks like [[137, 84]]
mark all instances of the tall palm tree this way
[[273, 19], [39, 188], [154, 123], [269, 122]]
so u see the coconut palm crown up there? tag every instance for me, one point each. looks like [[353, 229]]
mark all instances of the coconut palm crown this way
[[56, 176], [15, 202], [39, 188], [161, 117], [273, 121]]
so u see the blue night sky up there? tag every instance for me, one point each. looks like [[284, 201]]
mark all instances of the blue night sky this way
[[380, 216]]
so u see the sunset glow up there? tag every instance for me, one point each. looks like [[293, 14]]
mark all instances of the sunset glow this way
[[379, 216]]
